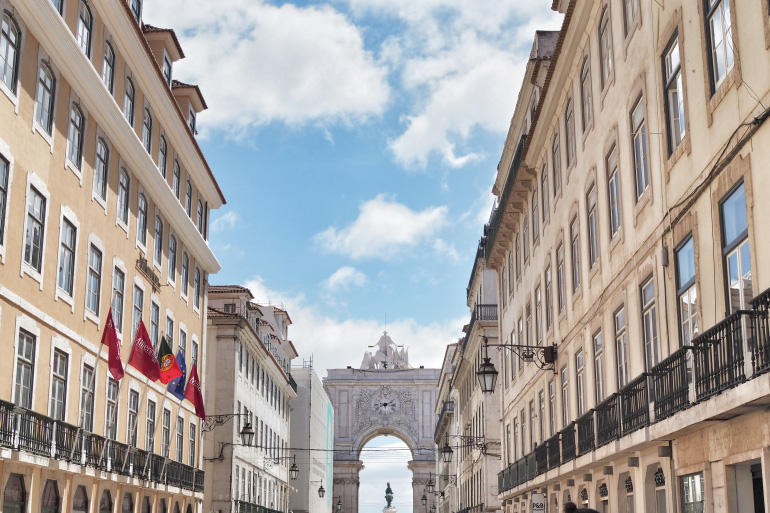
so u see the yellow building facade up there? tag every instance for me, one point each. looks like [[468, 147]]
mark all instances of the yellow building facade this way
[[104, 205]]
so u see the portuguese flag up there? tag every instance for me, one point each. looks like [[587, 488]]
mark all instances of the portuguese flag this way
[[169, 369]]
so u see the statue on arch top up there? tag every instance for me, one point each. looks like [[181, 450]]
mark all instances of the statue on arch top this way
[[387, 356]]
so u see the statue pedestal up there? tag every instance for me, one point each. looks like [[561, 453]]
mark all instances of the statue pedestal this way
[[389, 509]]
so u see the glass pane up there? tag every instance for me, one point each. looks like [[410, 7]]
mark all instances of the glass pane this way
[[685, 260], [734, 215]]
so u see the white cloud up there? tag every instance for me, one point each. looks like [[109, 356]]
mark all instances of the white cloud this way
[[226, 221], [335, 343], [383, 229], [258, 63], [344, 278]]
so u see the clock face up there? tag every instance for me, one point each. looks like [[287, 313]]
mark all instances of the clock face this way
[[385, 404]]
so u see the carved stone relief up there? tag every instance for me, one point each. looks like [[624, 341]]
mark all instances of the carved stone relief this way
[[386, 406]]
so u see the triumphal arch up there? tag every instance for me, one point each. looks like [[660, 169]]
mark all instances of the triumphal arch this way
[[384, 396]]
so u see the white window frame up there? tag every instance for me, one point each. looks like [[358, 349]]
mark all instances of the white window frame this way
[[96, 242], [117, 263], [12, 91], [95, 196], [43, 59], [35, 181], [61, 344], [26, 323], [5, 154], [68, 214]]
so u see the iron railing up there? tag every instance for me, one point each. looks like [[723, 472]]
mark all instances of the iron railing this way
[[248, 507], [568, 447], [292, 383], [586, 433], [7, 423], [480, 312], [496, 221], [541, 458], [554, 452], [760, 339], [669, 379], [34, 433], [608, 420], [634, 405], [719, 355]]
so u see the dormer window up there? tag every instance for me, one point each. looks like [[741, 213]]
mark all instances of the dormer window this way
[[230, 307], [167, 69], [136, 9], [191, 120]]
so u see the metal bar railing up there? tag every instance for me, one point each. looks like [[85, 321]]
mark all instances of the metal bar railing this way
[[568, 443], [634, 405], [670, 383], [719, 355], [554, 451], [608, 420], [760, 339], [586, 433]]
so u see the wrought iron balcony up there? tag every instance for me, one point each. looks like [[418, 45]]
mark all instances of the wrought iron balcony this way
[[292, 383], [586, 433], [568, 447], [497, 217], [608, 420], [634, 405], [248, 507], [719, 355], [760, 340], [670, 384], [554, 451], [541, 458], [480, 312]]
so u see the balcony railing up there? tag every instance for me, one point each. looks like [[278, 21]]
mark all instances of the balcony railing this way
[[541, 458], [760, 340], [634, 405], [670, 383], [719, 355], [496, 221], [568, 447], [586, 433], [292, 383], [480, 312], [608, 420], [554, 452], [248, 507], [28, 431]]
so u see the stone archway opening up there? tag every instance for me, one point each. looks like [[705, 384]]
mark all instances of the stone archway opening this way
[[385, 460]]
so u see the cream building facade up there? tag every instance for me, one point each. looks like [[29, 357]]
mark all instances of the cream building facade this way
[[626, 234], [250, 383], [445, 482], [104, 204]]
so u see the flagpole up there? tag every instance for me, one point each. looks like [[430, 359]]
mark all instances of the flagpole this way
[[111, 422], [141, 398]]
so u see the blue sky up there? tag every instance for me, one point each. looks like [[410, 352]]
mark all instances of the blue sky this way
[[356, 142]]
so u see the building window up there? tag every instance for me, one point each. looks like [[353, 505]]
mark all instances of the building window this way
[[672, 82], [3, 196], [191, 453], [649, 323], [585, 94], [45, 98], [735, 249], [621, 347], [182, 341], [147, 130], [158, 240], [10, 42], [80, 500], [67, 257], [33, 239], [171, 257], [525, 237], [50, 500], [94, 285], [639, 142], [87, 399], [167, 69], [720, 40], [176, 181], [541, 420], [179, 439], [191, 120], [560, 277], [532, 424], [564, 396], [162, 155], [613, 191], [118, 286], [165, 437], [124, 186], [529, 323], [141, 220], [108, 67], [199, 216], [544, 191], [548, 299], [538, 317], [136, 9], [580, 382], [194, 352], [686, 292], [556, 164], [693, 494], [630, 13], [569, 126], [128, 102], [101, 168], [521, 340], [188, 199], [599, 366], [535, 218], [133, 412], [58, 403], [593, 228], [518, 256], [605, 46], [85, 24], [138, 307], [154, 323], [149, 432], [552, 407], [170, 331], [185, 273], [574, 231], [25, 369], [14, 495], [75, 136], [111, 423]]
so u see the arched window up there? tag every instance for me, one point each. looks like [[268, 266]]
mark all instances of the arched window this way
[[188, 199], [108, 67], [128, 102], [176, 507], [605, 46], [147, 130], [105, 504], [177, 182], [75, 136], [185, 273], [49, 502], [585, 94], [85, 24], [162, 156], [101, 168], [162, 506], [197, 288], [128, 504], [158, 239], [136, 9], [146, 508], [569, 125], [172, 257], [124, 186], [141, 220], [556, 159], [10, 42], [80, 500], [14, 495], [200, 216], [45, 97]]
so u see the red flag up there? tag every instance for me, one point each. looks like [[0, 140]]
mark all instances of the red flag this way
[[169, 369], [110, 339], [193, 393], [143, 356]]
